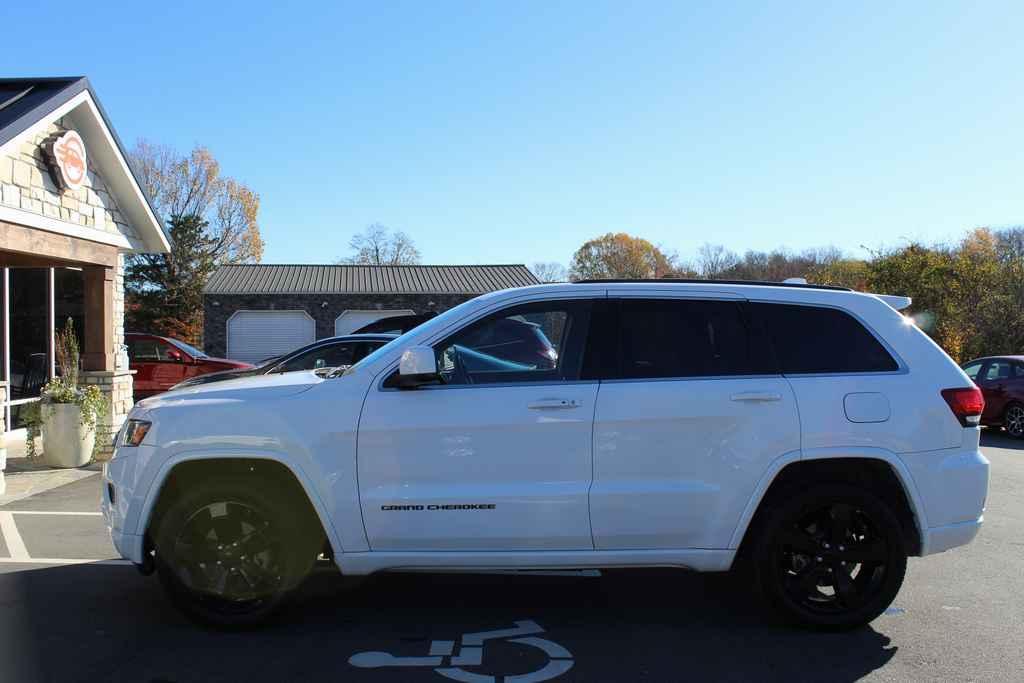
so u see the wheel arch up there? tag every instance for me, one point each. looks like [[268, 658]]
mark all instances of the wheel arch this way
[[187, 464], [871, 467]]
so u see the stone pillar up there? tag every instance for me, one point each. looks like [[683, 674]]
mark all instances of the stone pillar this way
[[104, 306], [116, 385]]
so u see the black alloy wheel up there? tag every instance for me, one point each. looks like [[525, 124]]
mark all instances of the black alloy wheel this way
[[831, 557], [229, 552]]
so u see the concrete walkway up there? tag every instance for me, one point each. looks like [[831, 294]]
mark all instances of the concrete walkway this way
[[26, 476]]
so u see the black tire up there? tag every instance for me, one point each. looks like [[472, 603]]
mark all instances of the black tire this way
[[829, 556], [230, 550], [1013, 420]]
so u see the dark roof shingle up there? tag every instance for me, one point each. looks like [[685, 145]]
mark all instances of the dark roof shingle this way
[[338, 279]]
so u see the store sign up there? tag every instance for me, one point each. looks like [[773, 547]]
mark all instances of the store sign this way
[[66, 155]]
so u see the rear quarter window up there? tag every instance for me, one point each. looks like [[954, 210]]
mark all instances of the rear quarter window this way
[[813, 339]]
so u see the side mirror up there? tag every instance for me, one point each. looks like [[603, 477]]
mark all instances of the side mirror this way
[[175, 356], [417, 367]]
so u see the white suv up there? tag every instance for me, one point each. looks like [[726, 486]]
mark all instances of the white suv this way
[[815, 433]]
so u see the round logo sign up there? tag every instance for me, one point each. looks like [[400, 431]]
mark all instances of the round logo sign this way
[[69, 155]]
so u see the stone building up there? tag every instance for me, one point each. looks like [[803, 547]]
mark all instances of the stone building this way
[[70, 210], [253, 312]]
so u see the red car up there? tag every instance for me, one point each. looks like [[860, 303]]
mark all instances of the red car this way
[[1001, 379], [162, 362]]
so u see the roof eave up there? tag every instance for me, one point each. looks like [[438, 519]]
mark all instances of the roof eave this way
[[46, 108]]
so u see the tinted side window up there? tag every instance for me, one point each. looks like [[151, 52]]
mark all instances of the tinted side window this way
[[971, 370], [687, 338], [997, 370], [330, 356], [529, 343], [811, 339], [151, 349], [364, 349], [601, 354]]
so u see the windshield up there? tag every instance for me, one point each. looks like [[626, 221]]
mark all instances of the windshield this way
[[438, 321], [189, 349]]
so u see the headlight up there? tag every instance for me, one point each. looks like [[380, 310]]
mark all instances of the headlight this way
[[134, 432]]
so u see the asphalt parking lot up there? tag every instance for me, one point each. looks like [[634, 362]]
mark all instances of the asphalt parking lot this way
[[70, 614]]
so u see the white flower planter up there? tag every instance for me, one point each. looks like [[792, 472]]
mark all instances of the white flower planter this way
[[66, 441]]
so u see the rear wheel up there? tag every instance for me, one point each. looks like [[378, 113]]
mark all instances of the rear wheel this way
[[831, 556], [1013, 420], [228, 551]]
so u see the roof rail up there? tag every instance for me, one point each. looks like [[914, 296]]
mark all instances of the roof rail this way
[[674, 280]]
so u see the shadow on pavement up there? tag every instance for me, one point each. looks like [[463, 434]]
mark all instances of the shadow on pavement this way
[[108, 623], [994, 438]]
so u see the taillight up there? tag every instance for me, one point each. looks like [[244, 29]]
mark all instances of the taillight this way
[[966, 404]]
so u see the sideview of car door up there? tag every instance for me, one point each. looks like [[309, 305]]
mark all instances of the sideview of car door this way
[[994, 380], [690, 413], [495, 457]]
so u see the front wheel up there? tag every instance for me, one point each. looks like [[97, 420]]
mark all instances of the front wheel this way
[[830, 556], [229, 551], [1013, 420]]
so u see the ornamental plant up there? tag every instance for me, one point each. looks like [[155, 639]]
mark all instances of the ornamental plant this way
[[64, 389]]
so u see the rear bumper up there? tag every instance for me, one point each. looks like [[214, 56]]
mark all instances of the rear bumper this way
[[952, 487], [942, 538]]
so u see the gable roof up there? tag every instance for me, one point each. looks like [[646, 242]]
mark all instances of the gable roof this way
[[26, 103], [344, 279]]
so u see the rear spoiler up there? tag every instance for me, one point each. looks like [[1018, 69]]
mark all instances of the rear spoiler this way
[[897, 302]]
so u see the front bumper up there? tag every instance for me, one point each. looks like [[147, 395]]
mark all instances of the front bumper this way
[[120, 503]]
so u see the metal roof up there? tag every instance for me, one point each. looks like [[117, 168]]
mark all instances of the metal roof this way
[[338, 279], [24, 101]]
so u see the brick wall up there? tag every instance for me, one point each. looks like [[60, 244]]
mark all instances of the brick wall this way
[[215, 317]]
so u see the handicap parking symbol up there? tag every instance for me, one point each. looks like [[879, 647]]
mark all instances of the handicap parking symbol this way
[[445, 660]]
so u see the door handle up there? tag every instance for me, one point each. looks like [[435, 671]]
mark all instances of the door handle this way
[[763, 396], [553, 404]]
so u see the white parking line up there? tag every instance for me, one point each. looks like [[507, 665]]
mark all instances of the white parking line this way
[[12, 539], [47, 512], [60, 561], [16, 545]]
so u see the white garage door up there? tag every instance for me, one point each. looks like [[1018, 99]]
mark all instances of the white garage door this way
[[351, 320], [255, 335]]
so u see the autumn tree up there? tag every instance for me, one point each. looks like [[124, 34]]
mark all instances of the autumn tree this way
[[379, 246], [215, 216], [619, 256], [192, 185], [165, 291], [549, 272]]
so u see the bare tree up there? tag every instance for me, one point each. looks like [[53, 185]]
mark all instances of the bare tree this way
[[379, 246], [550, 272], [192, 185], [713, 260]]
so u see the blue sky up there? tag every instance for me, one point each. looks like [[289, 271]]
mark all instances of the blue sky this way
[[513, 132]]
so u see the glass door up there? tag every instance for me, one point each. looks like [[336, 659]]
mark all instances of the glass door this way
[[29, 331], [33, 303]]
